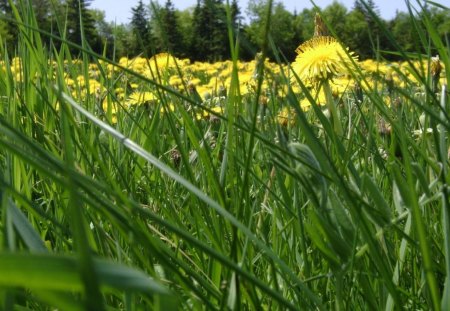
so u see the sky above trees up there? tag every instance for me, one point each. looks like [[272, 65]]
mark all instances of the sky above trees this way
[[121, 10]]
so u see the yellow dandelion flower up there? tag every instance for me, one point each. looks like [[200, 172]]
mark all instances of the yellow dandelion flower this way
[[175, 81], [69, 82], [286, 116], [170, 108], [322, 58], [195, 81], [81, 80], [18, 77], [202, 115], [205, 91], [119, 90], [108, 106], [96, 87], [163, 61], [141, 98], [217, 109]]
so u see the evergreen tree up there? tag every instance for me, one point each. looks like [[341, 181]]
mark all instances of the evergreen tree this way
[[210, 33], [246, 49], [84, 27], [236, 18], [364, 6], [199, 39], [186, 24], [140, 26], [42, 13], [173, 40], [220, 41], [356, 34]]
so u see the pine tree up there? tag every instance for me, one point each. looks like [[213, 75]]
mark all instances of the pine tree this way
[[210, 33], [141, 30], [365, 7], [173, 40], [236, 18], [84, 27], [41, 9], [246, 50], [196, 37], [220, 41], [374, 38]]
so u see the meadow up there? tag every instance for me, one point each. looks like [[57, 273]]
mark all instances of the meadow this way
[[163, 184]]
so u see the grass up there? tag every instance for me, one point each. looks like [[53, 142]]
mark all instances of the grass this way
[[107, 207]]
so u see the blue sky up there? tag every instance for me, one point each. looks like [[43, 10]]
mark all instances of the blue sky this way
[[120, 11]]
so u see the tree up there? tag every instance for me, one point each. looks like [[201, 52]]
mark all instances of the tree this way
[[373, 38], [140, 27], [42, 13], [236, 18], [104, 29], [406, 28], [186, 24], [304, 25], [210, 32], [281, 30], [356, 34], [441, 18], [402, 29], [246, 48], [171, 37], [334, 15], [123, 39], [365, 7], [81, 25]]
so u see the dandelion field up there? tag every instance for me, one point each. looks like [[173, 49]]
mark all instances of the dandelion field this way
[[164, 184]]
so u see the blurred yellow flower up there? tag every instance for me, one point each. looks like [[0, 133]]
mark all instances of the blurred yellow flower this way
[[164, 61], [170, 108], [138, 98], [175, 81], [286, 116]]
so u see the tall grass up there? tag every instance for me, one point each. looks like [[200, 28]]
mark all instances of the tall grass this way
[[162, 211]]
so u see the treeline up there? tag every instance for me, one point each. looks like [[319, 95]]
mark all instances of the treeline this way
[[202, 32]]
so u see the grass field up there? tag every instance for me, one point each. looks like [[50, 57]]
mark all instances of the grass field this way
[[161, 184]]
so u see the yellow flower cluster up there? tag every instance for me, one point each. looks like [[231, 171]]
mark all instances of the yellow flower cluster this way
[[112, 88]]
